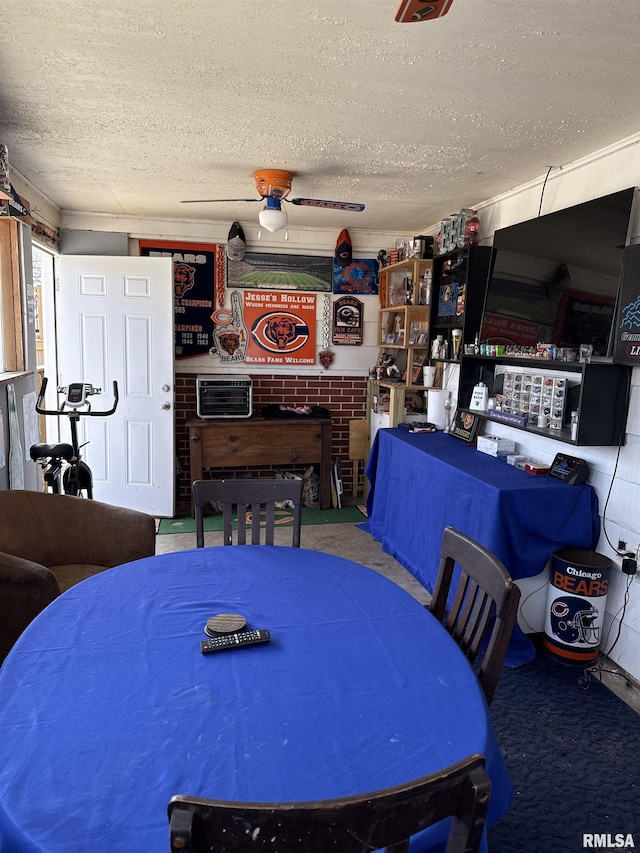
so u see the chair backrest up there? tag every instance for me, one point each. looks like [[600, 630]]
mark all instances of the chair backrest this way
[[247, 496], [382, 819], [56, 530], [486, 599]]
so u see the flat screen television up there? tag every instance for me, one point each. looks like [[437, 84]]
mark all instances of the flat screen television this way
[[556, 278]]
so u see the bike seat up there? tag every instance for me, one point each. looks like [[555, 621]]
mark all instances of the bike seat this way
[[54, 451]]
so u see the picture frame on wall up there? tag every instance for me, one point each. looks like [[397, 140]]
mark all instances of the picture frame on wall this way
[[262, 271], [465, 426]]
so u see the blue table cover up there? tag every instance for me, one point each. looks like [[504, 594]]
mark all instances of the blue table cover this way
[[422, 483], [108, 708]]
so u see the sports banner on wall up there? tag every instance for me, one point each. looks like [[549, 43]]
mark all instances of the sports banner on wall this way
[[359, 277], [348, 317], [198, 277], [281, 327]]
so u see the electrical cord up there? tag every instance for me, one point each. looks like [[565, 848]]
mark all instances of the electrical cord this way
[[613, 477], [553, 547], [606, 503], [543, 186], [595, 672], [622, 609]]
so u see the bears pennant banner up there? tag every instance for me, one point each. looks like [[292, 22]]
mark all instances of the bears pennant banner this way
[[198, 288], [281, 327]]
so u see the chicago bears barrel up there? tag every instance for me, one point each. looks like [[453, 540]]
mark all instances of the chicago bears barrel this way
[[576, 600]]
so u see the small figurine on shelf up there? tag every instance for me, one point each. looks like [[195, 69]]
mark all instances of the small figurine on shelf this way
[[448, 405], [471, 228], [387, 367], [408, 284]]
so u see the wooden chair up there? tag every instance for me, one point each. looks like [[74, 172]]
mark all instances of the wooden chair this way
[[382, 819], [485, 598], [247, 495]]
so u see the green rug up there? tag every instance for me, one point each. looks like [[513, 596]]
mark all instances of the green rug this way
[[284, 517]]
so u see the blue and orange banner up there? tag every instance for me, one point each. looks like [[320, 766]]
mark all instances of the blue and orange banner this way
[[198, 288]]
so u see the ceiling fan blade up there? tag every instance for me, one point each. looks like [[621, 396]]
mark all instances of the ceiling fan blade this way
[[330, 205], [221, 200], [412, 11]]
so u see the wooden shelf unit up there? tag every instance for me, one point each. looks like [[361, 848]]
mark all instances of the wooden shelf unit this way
[[404, 323]]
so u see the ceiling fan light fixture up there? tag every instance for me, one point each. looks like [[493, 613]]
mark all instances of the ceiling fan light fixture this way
[[273, 218]]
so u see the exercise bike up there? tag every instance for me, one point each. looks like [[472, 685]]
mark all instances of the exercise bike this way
[[64, 470]]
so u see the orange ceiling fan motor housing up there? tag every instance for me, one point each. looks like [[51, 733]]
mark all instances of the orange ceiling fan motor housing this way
[[273, 182]]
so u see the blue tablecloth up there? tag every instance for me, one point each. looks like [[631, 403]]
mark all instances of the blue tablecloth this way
[[422, 483], [108, 708]]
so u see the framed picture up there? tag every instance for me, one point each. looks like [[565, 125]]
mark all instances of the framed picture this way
[[416, 368], [281, 272], [465, 426], [359, 277]]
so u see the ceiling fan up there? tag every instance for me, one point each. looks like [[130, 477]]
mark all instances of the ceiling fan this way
[[274, 185]]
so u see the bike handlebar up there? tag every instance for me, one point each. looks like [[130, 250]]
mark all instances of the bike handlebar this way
[[62, 411]]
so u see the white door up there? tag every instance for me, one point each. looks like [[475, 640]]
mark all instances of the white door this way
[[114, 318]]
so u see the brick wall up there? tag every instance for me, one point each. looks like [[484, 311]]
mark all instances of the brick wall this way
[[344, 396]]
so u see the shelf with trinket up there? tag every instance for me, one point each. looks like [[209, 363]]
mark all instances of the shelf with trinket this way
[[460, 280], [577, 402], [404, 323]]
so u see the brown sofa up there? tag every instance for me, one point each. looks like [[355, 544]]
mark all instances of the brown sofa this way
[[50, 542]]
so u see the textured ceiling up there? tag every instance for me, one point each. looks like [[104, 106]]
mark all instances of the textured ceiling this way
[[127, 108]]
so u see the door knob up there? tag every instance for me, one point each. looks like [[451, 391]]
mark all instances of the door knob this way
[[165, 405]]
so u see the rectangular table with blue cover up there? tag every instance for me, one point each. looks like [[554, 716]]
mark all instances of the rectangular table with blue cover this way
[[422, 483], [108, 708]]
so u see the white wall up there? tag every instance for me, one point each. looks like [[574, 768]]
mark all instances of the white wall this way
[[601, 173]]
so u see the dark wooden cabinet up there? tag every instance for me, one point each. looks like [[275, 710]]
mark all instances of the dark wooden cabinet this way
[[255, 441], [597, 391], [460, 281]]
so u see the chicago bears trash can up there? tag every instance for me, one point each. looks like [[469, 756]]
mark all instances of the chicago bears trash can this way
[[576, 599]]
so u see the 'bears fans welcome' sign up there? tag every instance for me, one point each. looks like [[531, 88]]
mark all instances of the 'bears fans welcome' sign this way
[[281, 326]]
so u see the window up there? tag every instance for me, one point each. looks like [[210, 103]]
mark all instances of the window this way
[[43, 287], [12, 356]]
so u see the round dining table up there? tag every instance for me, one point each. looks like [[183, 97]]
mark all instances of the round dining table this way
[[108, 706]]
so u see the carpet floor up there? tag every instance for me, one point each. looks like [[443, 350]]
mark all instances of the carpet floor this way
[[573, 753], [284, 518]]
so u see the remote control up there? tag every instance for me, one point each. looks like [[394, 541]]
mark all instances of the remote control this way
[[234, 641]]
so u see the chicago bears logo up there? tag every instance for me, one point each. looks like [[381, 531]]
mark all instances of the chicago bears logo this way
[[326, 358], [348, 316], [280, 332], [573, 620], [229, 341], [183, 278]]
